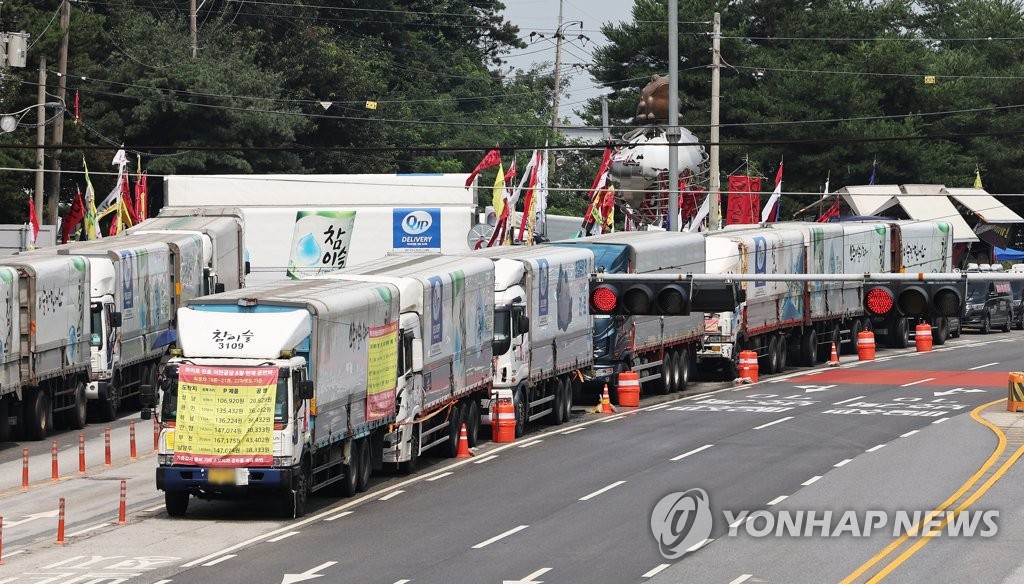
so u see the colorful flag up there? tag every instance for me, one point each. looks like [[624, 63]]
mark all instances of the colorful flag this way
[[33, 222], [702, 213], [608, 209], [977, 178], [595, 187], [530, 180], [92, 222], [874, 171], [141, 194], [831, 213], [771, 208], [491, 159], [744, 199], [73, 218], [498, 192], [541, 195]]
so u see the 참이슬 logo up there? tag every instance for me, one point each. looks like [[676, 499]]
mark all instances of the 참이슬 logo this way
[[417, 222], [680, 521]]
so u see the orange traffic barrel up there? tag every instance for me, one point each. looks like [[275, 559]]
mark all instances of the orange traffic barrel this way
[[748, 365], [503, 420], [629, 389], [866, 345], [1015, 397], [923, 337]]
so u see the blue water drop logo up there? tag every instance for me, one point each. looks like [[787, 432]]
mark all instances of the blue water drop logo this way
[[308, 250]]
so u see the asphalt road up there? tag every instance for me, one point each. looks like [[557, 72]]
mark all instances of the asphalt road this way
[[574, 503]]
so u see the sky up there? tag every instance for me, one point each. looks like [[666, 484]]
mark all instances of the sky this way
[[541, 16]]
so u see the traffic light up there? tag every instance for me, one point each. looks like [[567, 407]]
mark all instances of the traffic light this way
[[918, 299], [669, 298]]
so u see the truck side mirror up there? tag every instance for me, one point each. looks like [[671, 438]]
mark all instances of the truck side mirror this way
[[306, 389], [115, 319], [524, 323]]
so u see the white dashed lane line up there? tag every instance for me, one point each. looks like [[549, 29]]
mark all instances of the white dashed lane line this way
[[694, 451], [601, 490]]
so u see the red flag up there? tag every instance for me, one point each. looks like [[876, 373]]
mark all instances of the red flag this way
[[491, 159], [33, 220], [126, 198], [141, 198], [73, 218], [744, 199], [599, 179], [830, 213]]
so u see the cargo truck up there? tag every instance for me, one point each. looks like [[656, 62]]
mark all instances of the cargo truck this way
[[280, 389], [44, 341], [446, 327], [542, 328], [660, 349]]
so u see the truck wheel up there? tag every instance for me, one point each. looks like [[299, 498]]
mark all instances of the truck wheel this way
[[521, 412], [899, 333], [664, 385], [295, 499], [363, 474], [825, 351], [554, 386], [409, 466], [683, 369], [809, 347], [110, 401], [780, 355], [350, 483], [38, 414], [941, 332], [176, 503], [473, 422], [76, 415], [855, 327], [456, 417], [567, 399]]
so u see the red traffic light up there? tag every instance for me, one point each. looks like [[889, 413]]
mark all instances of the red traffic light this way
[[879, 301], [603, 299]]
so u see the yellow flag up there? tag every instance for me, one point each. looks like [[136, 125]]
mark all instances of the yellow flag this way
[[977, 178], [498, 193]]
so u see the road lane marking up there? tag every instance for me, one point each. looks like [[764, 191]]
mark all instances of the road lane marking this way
[[601, 490], [87, 529], [843, 462], [811, 481], [391, 495], [742, 579], [488, 542], [655, 570], [694, 451], [282, 536], [910, 433], [925, 380], [13, 553], [982, 366], [530, 443], [846, 401], [778, 500], [163, 582], [219, 560], [1000, 447], [440, 476], [940, 420], [611, 419], [485, 459], [657, 407], [338, 516], [573, 431], [402, 581], [874, 448], [153, 508], [779, 421]]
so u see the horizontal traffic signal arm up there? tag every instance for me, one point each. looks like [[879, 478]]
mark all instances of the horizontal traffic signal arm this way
[[953, 277]]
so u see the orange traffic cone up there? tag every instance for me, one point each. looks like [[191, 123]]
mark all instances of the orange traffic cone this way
[[605, 406], [463, 444], [833, 361]]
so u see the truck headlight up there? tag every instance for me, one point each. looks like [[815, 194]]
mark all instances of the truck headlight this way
[[282, 461], [165, 459]]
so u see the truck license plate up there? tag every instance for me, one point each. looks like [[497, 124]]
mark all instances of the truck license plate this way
[[221, 476]]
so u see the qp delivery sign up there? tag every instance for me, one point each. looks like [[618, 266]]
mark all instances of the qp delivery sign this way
[[416, 229]]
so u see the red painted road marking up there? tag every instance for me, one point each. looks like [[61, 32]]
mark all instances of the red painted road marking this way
[[898, 377]]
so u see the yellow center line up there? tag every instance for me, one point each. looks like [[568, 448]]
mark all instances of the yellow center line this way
[[976, 415], [937, 530]]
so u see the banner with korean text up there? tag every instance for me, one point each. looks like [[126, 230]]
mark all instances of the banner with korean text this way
[[382, 375]]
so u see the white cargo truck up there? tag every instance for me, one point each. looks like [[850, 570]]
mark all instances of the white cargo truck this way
[[45, 332], [279, 389], [447, 326], [542, 328]]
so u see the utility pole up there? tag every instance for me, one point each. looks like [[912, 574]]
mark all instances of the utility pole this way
[[192, 27], [606, 131], [673, 115], [715, 185], [40, 140], [53, 201], [558, 67]]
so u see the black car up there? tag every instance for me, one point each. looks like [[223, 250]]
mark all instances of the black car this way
[[1018, 314], [989, 305]]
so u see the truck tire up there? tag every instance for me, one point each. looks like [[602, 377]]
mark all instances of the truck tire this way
[[176, 503], [941, 332], [664, 385], [409, 466], [825, 351], [295, 498], [37, 413], [473, 422], [567, 399], [349, 484], [363, 471], [110, 401], [519, 401], [899, 333], [554, 386], [76, 416], [455, 420], [809, 347], [851, 348], [683, 368], [780, 354]]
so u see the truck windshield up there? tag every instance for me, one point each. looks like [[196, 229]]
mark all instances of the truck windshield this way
[[96, 317], [169, 400], [502, 331]]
